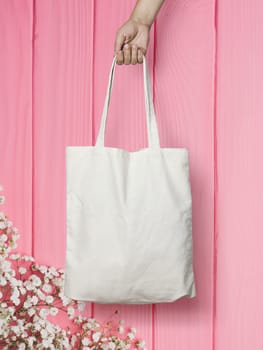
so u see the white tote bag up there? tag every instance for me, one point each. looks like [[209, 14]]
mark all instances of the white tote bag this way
[[129, 218]]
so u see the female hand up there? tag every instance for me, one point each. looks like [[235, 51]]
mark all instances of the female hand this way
[[131, 42]]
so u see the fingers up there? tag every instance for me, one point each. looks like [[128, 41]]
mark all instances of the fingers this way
[[134, 54], [127, 54], [130, 54], [119, 41], [140, 56]]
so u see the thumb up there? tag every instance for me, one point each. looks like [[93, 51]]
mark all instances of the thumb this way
[[119, 41]]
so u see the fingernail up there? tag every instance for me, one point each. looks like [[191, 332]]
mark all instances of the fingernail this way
[[126, 46]]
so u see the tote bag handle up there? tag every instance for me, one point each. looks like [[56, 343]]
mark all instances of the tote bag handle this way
[[152, 128]]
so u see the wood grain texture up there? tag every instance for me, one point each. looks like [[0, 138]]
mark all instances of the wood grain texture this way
[[240, 171], [184, 78], [54, 66], [62, 113], [16, 116]]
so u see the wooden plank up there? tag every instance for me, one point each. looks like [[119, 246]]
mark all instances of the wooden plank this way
[[184, 78], [16, 116], [240, 171], [126, 123], [62, 113]]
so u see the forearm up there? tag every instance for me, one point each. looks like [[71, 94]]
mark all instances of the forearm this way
[[145, 11]]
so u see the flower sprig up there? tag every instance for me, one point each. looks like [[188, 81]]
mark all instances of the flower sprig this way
[[31, 293]]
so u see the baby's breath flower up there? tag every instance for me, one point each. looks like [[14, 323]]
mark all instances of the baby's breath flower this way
[[49, 299], [96, 336], [130, 335], [30, 292], [121, 329], [53, 311], [22, 270]]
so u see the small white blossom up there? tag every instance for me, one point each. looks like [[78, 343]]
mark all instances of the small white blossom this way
[[31, 311], [47, 288], [49, 299], [22, 270], [141, 344], [3, 281], [133, 330], [70, 312], [53, 311], [28, 258], [96, 336], [27, 304], [44, 312], [121, 329], [81, 305], [85, 341], [130, 335]]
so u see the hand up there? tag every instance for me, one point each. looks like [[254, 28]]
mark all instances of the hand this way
[[131, 42]]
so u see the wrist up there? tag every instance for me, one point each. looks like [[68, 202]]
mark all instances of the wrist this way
[[141, 20]]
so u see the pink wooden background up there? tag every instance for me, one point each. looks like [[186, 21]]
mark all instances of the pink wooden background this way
[[206, 60]]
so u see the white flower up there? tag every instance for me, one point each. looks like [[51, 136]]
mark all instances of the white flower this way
[[3, 281], [44, 312], [73, 339], [6, 265], [53, 311], [47, 343], [16, 330], [42, 268], [47, 288], [34, 299], [40, 294], [9, 223], [96, 336], [130, 335], [133, 330], [22, 290], [3, 237], [31, 311], [11, 309], [28, 258], [49, 299], [28, 285], [65, 300], [15, 283], [112, 346], [2, 226], [81, 305], [121, 329], [43, 333], [141, 344], [58, 282], [85, 341], [14, 256], [70, 312], [31, 340], [27, 304], [36, 281], [15, 293], [22, 270]]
